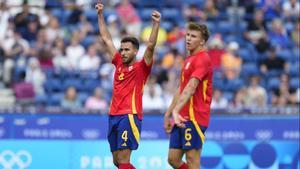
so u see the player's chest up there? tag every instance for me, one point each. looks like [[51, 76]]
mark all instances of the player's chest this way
[[124, 73], [187, 68]]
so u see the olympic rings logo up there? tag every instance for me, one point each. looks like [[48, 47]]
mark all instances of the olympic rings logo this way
[[8, 159]]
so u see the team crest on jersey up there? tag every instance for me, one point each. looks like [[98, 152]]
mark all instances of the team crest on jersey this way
[[121, 76], [130, 68], [187, 66]]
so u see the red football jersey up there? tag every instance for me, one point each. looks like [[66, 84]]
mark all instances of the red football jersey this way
[[128, 87], [199, 66]]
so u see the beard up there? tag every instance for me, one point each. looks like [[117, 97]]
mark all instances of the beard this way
[[128, 60]]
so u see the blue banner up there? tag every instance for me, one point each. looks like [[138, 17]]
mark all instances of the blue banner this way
[[38, 154], [62, 127], [79, 142]]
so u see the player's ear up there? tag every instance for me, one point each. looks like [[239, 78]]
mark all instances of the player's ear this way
[[202, 42]]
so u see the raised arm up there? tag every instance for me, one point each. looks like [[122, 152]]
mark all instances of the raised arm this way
[[104, 33], [186, 94], [148, 56]]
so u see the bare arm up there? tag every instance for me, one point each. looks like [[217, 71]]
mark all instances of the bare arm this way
[[186, 94], [167, 121], [173, 103], [148, 56], [104, 33]]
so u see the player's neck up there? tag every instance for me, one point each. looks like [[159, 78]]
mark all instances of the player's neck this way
[[196, 50], [130, 63]]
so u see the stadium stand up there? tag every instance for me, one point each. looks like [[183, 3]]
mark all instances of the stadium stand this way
[[79, 22]]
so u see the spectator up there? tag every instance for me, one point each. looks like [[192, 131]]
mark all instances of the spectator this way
[[278, 35], [53, 30], [193, 13], [257, 94], [216, 50], [210, 10], [256, 32], [129, 18], [4, 20], [90, 61], [218, 101], [23, 18], [295, 35], [231, 62], [30, 32], [45, 58], [59, 52], [70, 100], [15, 49], [152, 97], [240, 99], [97, 101], [291, 9], [170, 58], [271, 8], [35, 76], [273, 63], [113, 26], [23, 90], [284, 95], [74, 53]]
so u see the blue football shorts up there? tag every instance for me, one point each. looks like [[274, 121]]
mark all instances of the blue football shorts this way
[[188, 138], [124, 132]]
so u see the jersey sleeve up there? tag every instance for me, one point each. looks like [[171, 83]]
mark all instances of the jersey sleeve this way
[[117, 59], [200, 69], [146, 69]]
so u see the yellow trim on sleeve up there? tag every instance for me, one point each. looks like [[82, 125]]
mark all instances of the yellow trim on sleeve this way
[[204, 89], [134, 128], [192, 117], [133, 102]]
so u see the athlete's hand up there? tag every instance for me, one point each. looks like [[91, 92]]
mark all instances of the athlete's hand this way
[[99, 6], [178, 119], [167, 124], [155, 16]]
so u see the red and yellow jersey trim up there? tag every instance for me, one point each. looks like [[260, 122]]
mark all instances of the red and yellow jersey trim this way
[[192, 118]]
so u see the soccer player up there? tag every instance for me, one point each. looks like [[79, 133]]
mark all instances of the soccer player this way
[[190, 107], [125, 113]]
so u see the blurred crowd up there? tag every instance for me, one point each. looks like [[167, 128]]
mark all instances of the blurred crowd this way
[[51, 53]]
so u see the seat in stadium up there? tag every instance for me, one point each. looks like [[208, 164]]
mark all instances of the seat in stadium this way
[[228, 95], [247, 55], [54, 99], [145, 14], [294, 83], [88, 40], [273, 73], [82, 96], [294, 68], [249, 69], [234, 85], [75, 82], [171, 14], [273, 83], [286, 54], [90, 84], [53, 85], [226, 27], [91, 15], [149, 4], [41, 99]]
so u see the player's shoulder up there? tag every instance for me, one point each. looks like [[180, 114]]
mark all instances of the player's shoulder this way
[[203, 57]]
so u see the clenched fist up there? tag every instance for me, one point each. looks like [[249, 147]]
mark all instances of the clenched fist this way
[[156, 16], [99, 7]]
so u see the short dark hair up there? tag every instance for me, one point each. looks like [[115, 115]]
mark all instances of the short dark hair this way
[[201, 28], [132, 40]]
